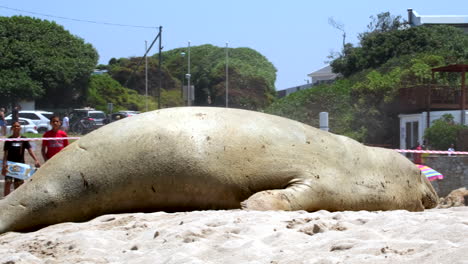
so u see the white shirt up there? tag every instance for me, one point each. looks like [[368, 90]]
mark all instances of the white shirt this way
[[65, 122]]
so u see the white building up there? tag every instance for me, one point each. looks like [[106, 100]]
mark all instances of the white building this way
[[324, 75], [412, 126], [415, 19]]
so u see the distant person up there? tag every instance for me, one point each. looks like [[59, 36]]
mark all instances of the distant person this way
[[418, 156], [65, 123], [15, 114], [2, 122], [451, 149], [14, 151], [52, 147]]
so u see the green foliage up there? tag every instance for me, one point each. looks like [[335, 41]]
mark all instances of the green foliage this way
[[384, 22], [389, 57], [251, 75], [103, 90], [306, 105], [443, 132], [382, 44], [41, 60]]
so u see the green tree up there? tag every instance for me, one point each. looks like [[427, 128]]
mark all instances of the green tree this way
[[306, 105], [443, 132], [103, 90], [41, 60], [389, 57], [388, 38], [251, 75]]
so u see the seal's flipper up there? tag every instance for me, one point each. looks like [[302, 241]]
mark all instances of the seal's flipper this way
[[296, 196]]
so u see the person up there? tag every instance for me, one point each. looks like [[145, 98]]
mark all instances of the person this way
[[65, 123], [14, 151], [2, 122], [15, 113], [418, 156], [451, 149], [52, 147]]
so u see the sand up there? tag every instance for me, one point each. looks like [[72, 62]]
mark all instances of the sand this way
[[236, 236]]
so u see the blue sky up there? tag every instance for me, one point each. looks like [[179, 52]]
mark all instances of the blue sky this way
[[294, 35]]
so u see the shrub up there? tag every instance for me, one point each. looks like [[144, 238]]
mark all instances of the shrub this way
[[443, 132]]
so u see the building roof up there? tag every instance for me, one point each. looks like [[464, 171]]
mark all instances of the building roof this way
[[323, 72], [452, 68], [416, 20]]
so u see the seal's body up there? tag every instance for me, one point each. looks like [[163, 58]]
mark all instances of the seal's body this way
[[195, 158]]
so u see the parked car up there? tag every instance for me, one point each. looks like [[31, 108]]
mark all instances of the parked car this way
[[40, 118], [122, 114], [129, 112], [98, 117], [27, 125]]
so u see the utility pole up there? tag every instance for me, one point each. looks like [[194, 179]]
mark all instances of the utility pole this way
[[160, 71], [146, 76], [158, 92], [227, 75]]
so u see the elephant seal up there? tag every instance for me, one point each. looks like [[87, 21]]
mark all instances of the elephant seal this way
[[199, 158]]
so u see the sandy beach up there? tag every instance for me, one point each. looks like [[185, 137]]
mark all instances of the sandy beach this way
[[236, 236]]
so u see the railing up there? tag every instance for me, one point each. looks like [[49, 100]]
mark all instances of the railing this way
[[442, 97]]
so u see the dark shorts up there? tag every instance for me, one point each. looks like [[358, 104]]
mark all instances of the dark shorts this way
[[12, 179], [2, 123]]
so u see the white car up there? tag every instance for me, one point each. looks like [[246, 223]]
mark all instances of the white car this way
[[40, 118], [27, 126]]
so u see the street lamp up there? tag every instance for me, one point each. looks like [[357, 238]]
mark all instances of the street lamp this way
[[227, 75]]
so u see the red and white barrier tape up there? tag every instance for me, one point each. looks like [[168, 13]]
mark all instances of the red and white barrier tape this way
[[37, 139], [433, 151]]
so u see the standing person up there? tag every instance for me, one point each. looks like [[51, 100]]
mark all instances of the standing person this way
[[2, 121], [52, 147], [417, 156], [15, 114], [14, 151], [65, 123], [451, 149]]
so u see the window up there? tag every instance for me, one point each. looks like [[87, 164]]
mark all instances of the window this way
[[412, 134], [29, 116], [49, 116], [97, 115]]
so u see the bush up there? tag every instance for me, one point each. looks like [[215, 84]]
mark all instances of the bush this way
[[443, 132]]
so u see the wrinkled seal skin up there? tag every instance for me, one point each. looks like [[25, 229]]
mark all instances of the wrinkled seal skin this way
[[195, 158]]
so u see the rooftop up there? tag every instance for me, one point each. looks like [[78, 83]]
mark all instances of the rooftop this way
[[416, 20]]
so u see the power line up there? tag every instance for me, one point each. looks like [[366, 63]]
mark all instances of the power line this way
[[79, 20], [144, 56]]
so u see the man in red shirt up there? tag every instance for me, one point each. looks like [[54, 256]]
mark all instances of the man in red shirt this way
[[52, 147]]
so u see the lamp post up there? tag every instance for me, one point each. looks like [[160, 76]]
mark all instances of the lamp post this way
[[183, 75], [227, 75], [189, 89]]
